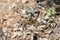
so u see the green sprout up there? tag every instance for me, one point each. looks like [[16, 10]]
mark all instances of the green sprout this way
[[50, 16]]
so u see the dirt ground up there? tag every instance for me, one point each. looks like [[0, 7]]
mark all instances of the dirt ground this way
[[29, 20]]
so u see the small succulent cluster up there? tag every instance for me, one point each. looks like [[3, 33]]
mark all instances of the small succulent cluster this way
[[30, 13], [49, 12], [50, 16]]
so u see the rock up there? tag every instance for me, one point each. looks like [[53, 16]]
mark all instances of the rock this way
[[20, 34], [21, 28], [45, 39], [38, 20], [16, 25], [24, 11], [24, 1], [14, 34], [4, 30], [43, 21], [30, 27], [49, 31], [41, 27]]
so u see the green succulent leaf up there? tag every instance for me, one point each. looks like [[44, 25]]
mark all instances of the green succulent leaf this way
[[51, 10]]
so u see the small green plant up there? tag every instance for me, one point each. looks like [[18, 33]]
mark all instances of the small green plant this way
[[50, 16], [31, 13]]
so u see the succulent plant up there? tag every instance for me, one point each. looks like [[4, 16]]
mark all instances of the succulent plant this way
[[50, 16], [30, 12]]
